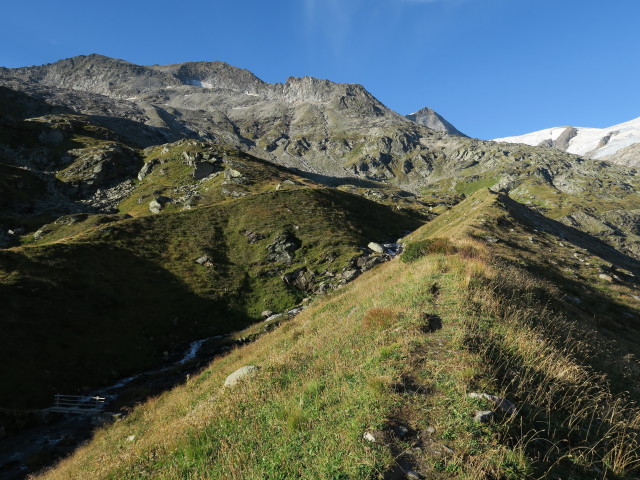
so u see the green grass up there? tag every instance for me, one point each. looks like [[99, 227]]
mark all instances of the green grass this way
[[352, 363], [112, 297]]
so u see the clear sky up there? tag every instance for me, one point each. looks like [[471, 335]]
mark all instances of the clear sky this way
[[493, 68]]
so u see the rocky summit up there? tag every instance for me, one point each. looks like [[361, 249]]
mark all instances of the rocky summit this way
[[204, 275]]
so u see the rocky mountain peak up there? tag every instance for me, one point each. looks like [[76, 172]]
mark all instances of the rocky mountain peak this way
[[211, 75], [431, 119]]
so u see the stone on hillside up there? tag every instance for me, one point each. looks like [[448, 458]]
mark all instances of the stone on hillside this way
[[300, 278], [375, 247], [147, 167], [282, 248], [349, 275], [240, 374], [365, 263], [158, 203], [253, 237], [374, 436], [502, 403], [233, 176], [483, 416], [41, 233], [287, 183], [204, 260], [155, 206], [203, 170], [605, 277]]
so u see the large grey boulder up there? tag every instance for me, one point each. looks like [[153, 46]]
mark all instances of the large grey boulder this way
[[240, 374], [157, 204], [376, 247]]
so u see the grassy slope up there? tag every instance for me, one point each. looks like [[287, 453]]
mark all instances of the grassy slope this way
[[110, 300], [372, 355]]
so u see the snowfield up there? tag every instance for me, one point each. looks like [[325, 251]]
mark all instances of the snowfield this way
[[591, 142]]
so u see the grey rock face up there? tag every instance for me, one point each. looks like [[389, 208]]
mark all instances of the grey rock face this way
[[146, 168], [101, 166]]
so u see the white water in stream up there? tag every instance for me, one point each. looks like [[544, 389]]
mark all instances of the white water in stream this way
[[190, 354]]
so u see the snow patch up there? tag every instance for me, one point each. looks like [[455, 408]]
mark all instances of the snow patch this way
[[598, 142], [199, 83]]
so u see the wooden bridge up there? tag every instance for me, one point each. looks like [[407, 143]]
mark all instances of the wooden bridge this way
[[77, 404]]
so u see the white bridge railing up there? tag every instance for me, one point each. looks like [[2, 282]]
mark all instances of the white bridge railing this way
[[77, 404]]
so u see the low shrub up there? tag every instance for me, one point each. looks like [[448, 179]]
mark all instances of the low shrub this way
[[415, 250]]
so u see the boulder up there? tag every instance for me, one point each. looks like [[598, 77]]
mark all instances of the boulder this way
[[240, 374], [349, 275], [287, 183], [203, 170], [41, 233], [502, 403], [375, 247], [233, 176], [147, 167], [204, 260], [157, 204], [301, 278], [253, 237], [374, 436], [365, 263], [483, 416], [282, 248]]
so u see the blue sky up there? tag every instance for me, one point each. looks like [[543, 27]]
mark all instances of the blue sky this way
[[491, 67]]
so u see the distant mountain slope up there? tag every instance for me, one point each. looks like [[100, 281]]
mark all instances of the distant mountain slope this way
[[431, 119], [329, 130], [617, 144]]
